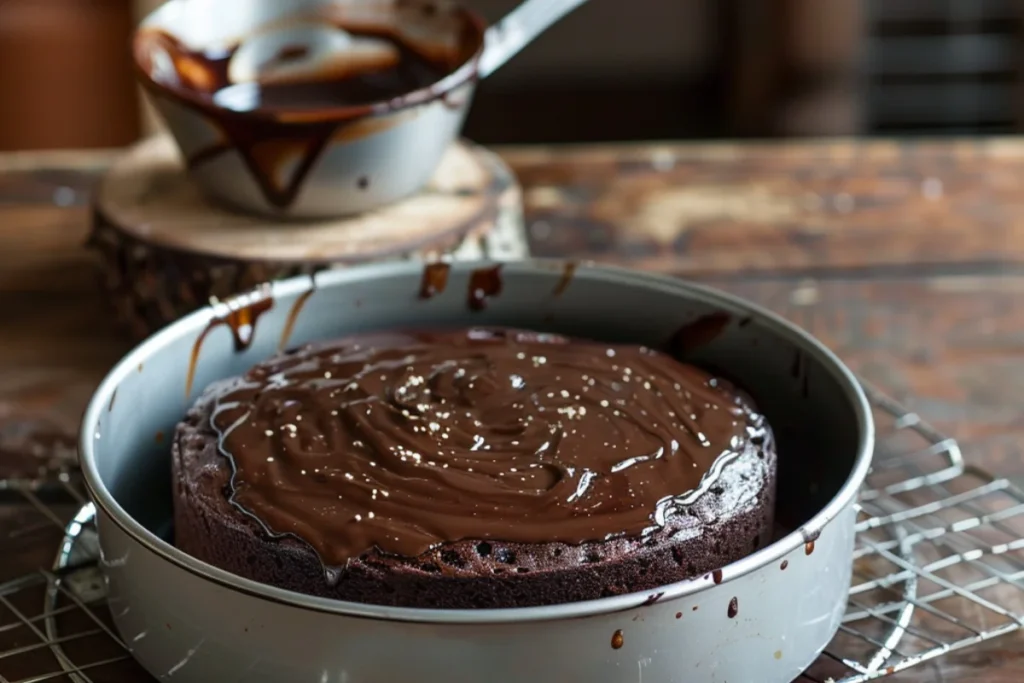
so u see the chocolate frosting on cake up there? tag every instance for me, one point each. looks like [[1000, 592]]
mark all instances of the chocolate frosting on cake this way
[[401, 442]]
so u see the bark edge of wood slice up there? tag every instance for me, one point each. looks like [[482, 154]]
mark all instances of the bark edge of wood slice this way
[[165, 251]]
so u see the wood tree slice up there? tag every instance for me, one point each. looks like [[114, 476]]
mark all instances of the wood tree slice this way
[[166, 249]]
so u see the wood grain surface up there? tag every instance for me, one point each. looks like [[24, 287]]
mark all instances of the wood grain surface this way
[[148, 196], [906, 258]]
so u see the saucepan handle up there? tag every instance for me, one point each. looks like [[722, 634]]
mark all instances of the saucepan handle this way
[[518, 29]]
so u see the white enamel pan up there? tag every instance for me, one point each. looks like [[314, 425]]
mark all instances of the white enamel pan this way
[[335, 160]]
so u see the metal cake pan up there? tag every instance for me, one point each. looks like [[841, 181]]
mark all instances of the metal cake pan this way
[[764, 618]]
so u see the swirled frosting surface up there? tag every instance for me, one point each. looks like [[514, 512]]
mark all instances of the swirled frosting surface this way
[[406, 440]]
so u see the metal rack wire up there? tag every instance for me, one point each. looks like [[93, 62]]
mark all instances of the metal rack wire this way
[[939, 566]]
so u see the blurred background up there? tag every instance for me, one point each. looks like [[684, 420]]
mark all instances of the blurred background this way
[[613, 70]]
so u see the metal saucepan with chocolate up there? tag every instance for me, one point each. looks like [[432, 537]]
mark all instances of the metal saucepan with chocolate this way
[[317, 108]]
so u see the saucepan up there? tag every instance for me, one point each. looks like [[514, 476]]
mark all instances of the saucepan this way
[[763, 618], [206, 65]]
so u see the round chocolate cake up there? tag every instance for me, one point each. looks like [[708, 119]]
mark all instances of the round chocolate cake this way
[[474, 468]]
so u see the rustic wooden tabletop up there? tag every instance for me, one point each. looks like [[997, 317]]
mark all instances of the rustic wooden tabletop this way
[[907, 258]]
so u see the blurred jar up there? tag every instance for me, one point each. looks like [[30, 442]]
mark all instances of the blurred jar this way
[[66, 78]]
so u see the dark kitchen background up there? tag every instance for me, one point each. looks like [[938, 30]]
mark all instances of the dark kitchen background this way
[[613, 70]]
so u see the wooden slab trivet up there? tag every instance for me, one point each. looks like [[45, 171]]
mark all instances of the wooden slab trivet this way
[[166, 250]]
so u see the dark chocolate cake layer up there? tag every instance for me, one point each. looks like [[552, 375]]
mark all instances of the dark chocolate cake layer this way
[[472, 469]]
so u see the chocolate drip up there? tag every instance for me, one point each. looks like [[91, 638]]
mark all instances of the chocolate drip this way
[[293, 316], [697, 333], [401, 441], [435, 279], [483, 284], [567, 275], [241, 320]]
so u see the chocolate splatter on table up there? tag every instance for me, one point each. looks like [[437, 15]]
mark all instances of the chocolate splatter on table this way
[[907, 258]]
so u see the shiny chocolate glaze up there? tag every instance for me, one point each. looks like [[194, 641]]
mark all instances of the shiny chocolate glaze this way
[[399, 442]]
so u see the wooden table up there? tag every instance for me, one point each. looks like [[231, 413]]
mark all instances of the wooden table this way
[[906, 258]]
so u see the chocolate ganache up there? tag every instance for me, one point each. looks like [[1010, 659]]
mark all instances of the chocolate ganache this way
[[398, 442]]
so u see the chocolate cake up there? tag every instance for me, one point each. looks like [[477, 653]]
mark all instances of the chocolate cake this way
[[474, 468]]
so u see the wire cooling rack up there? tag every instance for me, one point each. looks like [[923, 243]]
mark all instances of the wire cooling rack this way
[[939, 566]]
